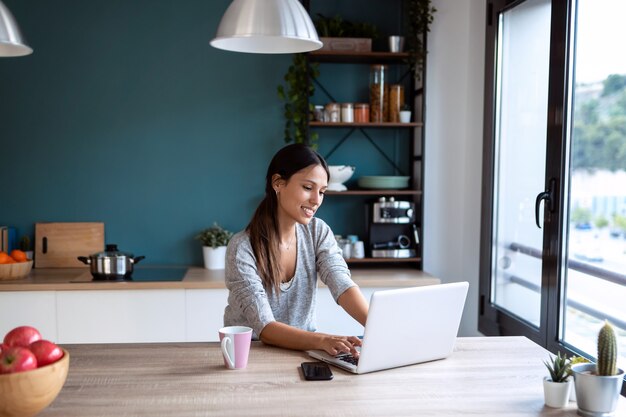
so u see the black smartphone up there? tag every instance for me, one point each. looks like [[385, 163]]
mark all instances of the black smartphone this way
[[316, 371]]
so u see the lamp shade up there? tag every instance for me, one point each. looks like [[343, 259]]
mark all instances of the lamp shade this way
[[266, 27], [11, 42]]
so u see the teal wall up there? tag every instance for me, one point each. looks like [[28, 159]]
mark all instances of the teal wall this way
[[124, 114]]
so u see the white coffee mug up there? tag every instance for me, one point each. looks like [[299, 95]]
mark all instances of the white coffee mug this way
[[235, 344]]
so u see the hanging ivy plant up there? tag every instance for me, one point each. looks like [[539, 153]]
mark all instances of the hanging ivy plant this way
[[296, 92], [420, 16]]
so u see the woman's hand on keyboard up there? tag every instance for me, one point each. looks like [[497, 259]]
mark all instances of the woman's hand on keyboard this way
[[334, 345]]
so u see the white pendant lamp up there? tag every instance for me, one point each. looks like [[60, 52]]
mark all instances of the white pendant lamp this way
[[11, 42], [266, 27]]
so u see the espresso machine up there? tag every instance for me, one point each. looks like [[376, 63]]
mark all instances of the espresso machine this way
[[391, 229]]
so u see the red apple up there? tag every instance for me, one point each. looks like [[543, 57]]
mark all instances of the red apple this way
[[17, 359], [3, 347], [22, 336], [46, 352]]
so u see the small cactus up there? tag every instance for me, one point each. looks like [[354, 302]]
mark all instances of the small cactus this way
[[607, 351]]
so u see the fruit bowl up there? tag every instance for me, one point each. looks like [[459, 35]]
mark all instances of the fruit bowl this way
[[16, 270], [338, 175], [27, 393]]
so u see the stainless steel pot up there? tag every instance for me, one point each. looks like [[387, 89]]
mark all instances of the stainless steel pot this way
[[111, 264]]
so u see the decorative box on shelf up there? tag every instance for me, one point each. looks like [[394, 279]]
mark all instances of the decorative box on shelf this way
[[346, 44]]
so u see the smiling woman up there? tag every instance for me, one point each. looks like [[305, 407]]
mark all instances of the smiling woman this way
[[272, 266]]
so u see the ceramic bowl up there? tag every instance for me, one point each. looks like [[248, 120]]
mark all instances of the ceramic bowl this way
[[27, 393], [384, 182], [338, 175]]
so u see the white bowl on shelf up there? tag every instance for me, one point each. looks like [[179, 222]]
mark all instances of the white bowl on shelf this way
[[338, 175]]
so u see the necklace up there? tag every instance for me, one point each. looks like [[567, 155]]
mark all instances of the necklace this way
[[288, 246]]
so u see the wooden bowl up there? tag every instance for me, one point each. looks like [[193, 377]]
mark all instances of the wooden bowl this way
[[26, 393], [17, 270]]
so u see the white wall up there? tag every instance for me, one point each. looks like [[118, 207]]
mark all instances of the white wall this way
[[454, 129]]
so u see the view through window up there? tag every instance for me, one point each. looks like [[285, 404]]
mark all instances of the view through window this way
[[595, 274]]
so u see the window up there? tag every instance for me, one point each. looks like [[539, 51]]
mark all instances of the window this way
[[553, 249]]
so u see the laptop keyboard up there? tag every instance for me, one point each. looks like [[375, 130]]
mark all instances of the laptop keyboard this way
[[347, 357]]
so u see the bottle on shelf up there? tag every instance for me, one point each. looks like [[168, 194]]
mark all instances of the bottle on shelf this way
[[379, 90]]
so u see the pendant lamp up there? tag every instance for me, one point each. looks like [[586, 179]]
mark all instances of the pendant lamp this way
[[11, 42], [266, 27]]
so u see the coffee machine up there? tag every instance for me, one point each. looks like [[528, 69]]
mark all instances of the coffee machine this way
[[391, 229]]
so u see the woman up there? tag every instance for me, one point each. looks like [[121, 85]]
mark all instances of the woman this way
[[272, 266]]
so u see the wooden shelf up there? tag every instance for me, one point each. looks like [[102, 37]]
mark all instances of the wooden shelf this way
[[378, 192], [358, 57], [382, 260], [368, 125]]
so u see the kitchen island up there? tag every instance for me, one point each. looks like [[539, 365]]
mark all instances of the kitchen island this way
[[485, 376], [67, 307]]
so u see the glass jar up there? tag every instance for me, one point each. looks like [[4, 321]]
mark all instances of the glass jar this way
[[332, 113], [396, 102], [361, 113], [379, 90], [347, 113]]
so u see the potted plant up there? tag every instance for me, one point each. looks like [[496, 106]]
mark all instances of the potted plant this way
[[420, 16], [214, 241], [299, 87], [557, 386], [26, 247], [574, 360], [338, 34], [598, 386]]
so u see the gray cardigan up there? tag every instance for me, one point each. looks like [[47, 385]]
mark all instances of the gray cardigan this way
[[250, 305]]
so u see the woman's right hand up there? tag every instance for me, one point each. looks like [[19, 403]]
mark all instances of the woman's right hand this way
[[334, 345]]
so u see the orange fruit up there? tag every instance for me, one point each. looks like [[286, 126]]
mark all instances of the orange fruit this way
[[6, 259], [19, 255]]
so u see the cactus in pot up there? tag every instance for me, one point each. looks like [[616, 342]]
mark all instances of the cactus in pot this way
[[607, 351], [598, 386]]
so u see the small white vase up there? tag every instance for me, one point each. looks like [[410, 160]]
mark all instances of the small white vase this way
[[405, 116], [214, 258], [556, 394]]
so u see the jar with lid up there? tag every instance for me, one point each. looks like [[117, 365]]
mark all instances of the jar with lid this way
[[396, 102], [332, 113], [379, 90], [347, 113], [361, 113]]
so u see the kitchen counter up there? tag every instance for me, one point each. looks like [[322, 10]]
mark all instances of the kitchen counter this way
[[71, 279], [70, 308]]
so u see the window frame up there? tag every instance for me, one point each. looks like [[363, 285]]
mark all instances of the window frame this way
[[494, 321]]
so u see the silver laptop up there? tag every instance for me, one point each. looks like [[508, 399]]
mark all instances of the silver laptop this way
[[406, 326]]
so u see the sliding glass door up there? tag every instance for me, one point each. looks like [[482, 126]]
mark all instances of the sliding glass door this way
[[520, 155], [594, 275], [553, 248]]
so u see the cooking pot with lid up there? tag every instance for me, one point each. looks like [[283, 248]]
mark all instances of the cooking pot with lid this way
[[111, 264]]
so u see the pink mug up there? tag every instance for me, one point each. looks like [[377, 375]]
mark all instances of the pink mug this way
[[235, 342]]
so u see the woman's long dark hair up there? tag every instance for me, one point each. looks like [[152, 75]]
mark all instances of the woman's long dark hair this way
[[263, 228]]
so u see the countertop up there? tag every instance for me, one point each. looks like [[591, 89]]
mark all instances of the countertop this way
[[72, 279], [485, 376]]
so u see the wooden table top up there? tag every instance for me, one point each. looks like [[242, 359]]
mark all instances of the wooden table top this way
[[486, 376]]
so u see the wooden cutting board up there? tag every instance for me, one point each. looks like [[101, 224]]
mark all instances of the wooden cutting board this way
[[57, 245]]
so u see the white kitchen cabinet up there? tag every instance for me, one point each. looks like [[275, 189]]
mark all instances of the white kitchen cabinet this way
[[112, 316], [37, 309], [205, 314]]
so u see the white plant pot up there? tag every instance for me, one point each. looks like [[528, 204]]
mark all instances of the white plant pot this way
[[214, 258], [556, 394], [596, 395]]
